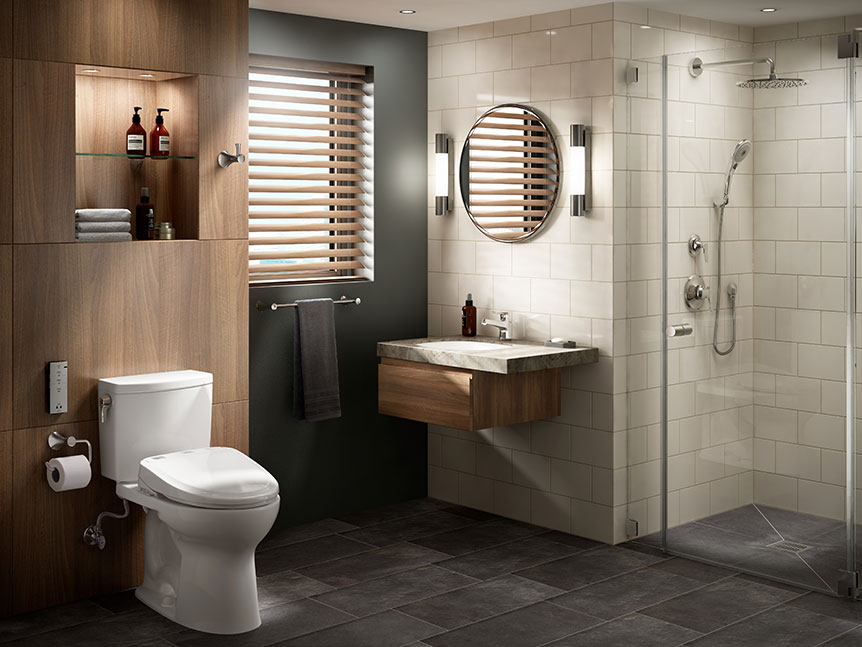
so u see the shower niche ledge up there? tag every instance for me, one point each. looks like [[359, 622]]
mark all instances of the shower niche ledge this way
[[472, 385]]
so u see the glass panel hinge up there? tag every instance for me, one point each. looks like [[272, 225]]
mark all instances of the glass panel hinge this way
[[848, 585], [848, 45]]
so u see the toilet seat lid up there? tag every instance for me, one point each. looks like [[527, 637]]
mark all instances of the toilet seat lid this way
[[210, 477]]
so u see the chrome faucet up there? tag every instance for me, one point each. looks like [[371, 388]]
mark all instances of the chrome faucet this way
[[502, 325]]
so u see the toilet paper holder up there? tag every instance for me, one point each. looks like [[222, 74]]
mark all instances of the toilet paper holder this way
[[56, 440]]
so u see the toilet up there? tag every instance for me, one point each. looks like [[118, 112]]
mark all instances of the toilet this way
[[207, 507]]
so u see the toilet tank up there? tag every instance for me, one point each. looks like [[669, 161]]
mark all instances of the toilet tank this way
[[149, 414]]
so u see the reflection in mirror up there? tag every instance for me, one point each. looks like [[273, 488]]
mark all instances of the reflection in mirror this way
[[509, 173]]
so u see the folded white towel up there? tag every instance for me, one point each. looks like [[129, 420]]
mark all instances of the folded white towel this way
[[102, 226], [103, 215], [102, 236]]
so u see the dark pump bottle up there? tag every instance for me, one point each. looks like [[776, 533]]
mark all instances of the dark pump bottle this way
[[160, 138], [136, 136], [145, 221], [468, 317]]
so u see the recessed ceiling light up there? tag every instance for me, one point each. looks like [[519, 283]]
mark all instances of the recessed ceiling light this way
[[147, 76], [768, 10], [407, 11], [92, 70], [644, 26]]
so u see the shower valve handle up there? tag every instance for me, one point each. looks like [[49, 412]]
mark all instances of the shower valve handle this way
[[696, 246]]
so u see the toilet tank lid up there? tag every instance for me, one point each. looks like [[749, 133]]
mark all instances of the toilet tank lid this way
[[154, 382]]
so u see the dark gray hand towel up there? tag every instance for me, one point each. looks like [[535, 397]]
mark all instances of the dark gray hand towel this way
[[315, 362]]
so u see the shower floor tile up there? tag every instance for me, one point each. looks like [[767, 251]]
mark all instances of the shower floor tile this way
[[481, 580]]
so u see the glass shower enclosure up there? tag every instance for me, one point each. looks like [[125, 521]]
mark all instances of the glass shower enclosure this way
[[741, 231]]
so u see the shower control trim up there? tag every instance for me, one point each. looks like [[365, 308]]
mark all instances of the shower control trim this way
[[696, 292], [696, 246], [678, 330]]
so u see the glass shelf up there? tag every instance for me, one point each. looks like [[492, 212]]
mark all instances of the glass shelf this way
[[139, 157]]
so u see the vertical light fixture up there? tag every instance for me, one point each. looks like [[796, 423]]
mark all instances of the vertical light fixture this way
[[580, 170], [441, 174]]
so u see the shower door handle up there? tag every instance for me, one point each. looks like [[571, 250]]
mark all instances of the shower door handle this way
[[679, 330]]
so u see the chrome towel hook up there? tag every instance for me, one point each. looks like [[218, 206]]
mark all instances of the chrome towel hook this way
[[225, 159]]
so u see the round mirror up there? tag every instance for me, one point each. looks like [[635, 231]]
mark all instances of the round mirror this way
[[509, 173]]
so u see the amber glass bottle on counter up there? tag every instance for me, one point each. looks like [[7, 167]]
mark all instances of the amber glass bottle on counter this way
[[468, 317]]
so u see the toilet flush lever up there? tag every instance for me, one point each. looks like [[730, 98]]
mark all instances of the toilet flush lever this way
[[104, 405]]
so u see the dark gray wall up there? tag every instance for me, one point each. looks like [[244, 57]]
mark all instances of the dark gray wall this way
[[362, 459]]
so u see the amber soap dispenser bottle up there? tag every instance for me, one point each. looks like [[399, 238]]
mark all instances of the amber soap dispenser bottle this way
[[136, 136], [160, 138], [468, 317]]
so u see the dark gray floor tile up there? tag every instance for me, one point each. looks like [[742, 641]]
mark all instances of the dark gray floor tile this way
[[797, 526], [305, 553], [277, 623], [479, 601], [830, 606], [119, 602], [779, 627], [633, 630], [849, 639], [153, 642], [699, 571], [571, 540], [767, 582], [472, 513], [386, 629], [50, 619], [394, 590], [115, 630], [303, 532], [746, 520], [473, 538], [377, 563], [398, 530], [394, 511], [491, 562], [287, 586], [588, 567], [527, 627], [717, 605], [626, 593]]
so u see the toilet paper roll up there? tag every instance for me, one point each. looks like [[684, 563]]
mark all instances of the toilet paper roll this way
[[68, 473]]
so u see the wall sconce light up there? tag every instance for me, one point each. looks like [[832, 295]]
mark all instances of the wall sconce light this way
[[441, 174], [580, 170]]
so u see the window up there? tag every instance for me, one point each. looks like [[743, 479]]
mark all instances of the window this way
[[310, 171]]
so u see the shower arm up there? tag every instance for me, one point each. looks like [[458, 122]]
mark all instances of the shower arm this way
[[697, 66]]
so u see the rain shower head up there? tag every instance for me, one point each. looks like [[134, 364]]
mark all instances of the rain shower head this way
[[772, 82]]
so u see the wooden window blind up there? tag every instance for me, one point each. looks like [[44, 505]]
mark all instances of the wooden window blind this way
[[310, 171]]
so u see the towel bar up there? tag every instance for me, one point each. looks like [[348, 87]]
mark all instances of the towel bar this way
[[260, 305]]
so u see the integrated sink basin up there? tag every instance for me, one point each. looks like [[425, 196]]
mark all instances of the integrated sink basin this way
[[461, 345], [504, 357]]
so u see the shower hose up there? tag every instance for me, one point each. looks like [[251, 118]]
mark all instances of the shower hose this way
[[731, 294]]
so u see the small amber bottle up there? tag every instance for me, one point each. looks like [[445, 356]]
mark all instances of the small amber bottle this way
[[468, 317], [136, 136], [160, 138]]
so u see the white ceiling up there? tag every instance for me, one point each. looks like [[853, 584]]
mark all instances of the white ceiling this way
[[442, 14]]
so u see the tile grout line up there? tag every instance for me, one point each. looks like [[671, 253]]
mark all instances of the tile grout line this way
[[843, 633]]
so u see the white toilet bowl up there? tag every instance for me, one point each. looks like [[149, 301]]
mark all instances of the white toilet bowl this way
[[207, 507], [199, 561]]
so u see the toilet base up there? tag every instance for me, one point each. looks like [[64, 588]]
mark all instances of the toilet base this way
[[199, 563]]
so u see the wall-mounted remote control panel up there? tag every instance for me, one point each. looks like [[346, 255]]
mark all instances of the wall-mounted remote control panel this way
[[58, 387]]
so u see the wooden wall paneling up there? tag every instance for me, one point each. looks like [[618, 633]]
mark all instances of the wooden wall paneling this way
[[6, 34], [104, 108], [6, 521], [52, 564], [43, 191], [124, 308], [223, 191], [230, 425], [6, 337], [6, 137], [180, 185], [197, 36]]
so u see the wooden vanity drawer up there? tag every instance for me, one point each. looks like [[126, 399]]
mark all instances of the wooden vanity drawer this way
[[463, 398]]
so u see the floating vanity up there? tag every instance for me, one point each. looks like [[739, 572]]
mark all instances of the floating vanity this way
[[472, 384]]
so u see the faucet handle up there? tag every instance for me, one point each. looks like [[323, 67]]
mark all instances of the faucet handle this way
[[504, 316]]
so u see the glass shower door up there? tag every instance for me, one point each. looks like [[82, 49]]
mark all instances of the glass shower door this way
[[757, 404]]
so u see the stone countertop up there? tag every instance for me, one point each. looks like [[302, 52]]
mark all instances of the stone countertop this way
[[514, 355]]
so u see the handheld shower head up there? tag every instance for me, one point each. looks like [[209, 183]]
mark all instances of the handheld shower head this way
[[742, 150]]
